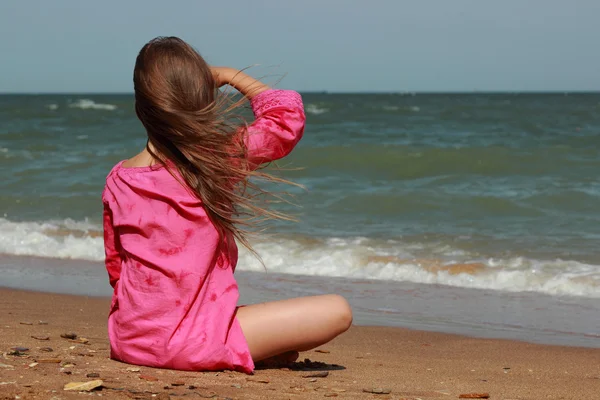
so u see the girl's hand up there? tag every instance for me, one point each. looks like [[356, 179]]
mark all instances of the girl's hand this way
[[245, 84]]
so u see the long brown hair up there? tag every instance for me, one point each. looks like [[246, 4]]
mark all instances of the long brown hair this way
[[191, 126]]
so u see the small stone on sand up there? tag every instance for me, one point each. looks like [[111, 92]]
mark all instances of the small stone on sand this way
[[80, 340], [93, 375], [69, 335], [322, 351], [26, 323], [149, 378], [47, 349], [83, 386], [474, 396], [320, 374], [178, 383], [377, 391], [41, 337], [260, 380], [133, 369]]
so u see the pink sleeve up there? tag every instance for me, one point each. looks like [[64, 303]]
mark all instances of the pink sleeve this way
[[278, 126], [113, 258]]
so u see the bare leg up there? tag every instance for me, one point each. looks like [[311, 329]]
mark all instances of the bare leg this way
[[299, 324]]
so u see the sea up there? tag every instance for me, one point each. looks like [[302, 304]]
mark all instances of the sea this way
[[469, 213]]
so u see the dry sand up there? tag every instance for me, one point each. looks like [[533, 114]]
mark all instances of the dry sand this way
[[408, 364]]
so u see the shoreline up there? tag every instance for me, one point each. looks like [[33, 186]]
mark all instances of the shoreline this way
[[521, 316], [411, 364]]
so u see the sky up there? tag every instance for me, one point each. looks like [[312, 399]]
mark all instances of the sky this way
[[310, 45]]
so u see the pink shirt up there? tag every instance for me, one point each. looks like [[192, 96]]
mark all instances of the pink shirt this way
[[175, 295]]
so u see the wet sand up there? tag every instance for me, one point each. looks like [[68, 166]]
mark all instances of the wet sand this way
[[409, 364]]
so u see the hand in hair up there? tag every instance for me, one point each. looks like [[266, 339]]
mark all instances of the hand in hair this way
[[241, 81]]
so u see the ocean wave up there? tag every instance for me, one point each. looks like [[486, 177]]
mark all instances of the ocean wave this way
[[315, 109], [358, 258], [67, 239], [411, 162], [398, 108], [52, 106], [87, 104]]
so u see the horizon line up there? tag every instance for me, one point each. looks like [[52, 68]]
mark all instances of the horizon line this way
[[404, 92]]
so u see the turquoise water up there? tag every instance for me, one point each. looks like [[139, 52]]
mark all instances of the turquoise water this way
[[396, 186]]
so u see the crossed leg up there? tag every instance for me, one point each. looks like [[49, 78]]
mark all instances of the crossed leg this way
[[283, 328]]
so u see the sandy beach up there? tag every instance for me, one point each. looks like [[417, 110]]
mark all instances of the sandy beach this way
[[403, 364]]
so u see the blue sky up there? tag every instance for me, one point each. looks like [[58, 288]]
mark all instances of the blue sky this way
[[334, 45]]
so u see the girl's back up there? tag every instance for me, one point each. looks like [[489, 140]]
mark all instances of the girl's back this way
[[175, 294], [171, 218]]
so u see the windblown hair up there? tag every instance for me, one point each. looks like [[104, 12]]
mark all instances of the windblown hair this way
[[191, 127]]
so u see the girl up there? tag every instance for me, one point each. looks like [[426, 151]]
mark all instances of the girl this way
[[172, 214]]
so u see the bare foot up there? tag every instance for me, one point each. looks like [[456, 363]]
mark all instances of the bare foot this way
[[279, 361]]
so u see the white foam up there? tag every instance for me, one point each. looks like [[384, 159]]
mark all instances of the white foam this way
[[52, 107], [315, 109], [360, 258], [87, 104], [36, 239], [347, 259], [397, 108]]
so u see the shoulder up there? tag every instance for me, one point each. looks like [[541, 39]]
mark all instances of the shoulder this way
[[106, 193]]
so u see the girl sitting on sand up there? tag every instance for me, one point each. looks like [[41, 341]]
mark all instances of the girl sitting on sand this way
[[173, 213]]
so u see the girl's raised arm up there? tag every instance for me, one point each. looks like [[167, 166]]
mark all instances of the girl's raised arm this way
[[242, 82], [279, 116]]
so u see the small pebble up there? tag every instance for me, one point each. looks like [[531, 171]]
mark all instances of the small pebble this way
[[49, 360], [79, 340], [320, 374], [93, 375], [41, 337], [149, 378], [33, 365], [322, 351], [260, 380], [42, 323], [47, 349], [474, 396], [133, 369], [330, 395], [83, 386], [69, 335], [237, 386], [178, 383], [26, 323], [312, 380], [20, 349], [377, 391]]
